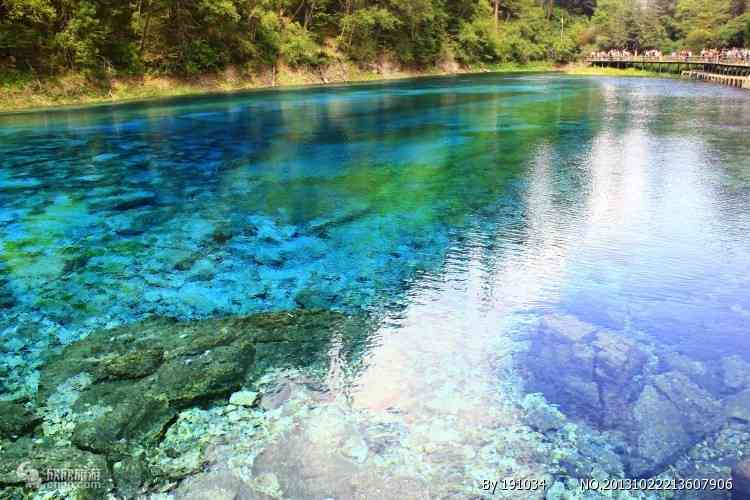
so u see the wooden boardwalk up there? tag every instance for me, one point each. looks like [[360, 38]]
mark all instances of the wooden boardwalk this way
[[734, 72]]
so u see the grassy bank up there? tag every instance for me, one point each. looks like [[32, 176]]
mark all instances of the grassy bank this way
[[584, 70], [22, 91]]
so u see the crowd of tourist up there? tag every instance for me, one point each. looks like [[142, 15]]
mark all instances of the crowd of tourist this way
[[733, 54], [612, 54], [653, 54], [681, 54]]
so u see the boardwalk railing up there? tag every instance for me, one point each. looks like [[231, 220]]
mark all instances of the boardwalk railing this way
[[728, 71], [671, 60]]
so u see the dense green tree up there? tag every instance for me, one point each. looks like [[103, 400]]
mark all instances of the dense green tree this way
[[195, 36], [699, 21], [27, 33], [670, 24]]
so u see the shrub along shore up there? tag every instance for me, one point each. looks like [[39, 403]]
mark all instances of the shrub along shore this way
[[21, 92]]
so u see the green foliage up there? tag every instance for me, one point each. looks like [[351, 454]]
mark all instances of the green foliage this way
[[736, 32], [298, 47], [25, 31], [670, 24], [478, 41], [364, 32], [191, 37]]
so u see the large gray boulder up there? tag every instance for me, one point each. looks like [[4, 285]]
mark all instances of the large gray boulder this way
[[741, 481], [736, 372], [593, 375], [671, 415], [737, 407]]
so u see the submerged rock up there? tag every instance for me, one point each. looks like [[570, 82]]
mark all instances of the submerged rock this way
[[707, 376], [592, 375], [218, 486], [321, 227], [7, 298], [313, 299], [124, 421], [671, 415], [618, 364], [141, 223], [244, 398], [567, 328], [712, 458], [328, 460], [561, 367], [139, 377], [16, 419], [541, 416], [700, 412], [737, 407], [660, 435], [20, 460], [609, 381], [736, 373], [130, 201], [741, 481]]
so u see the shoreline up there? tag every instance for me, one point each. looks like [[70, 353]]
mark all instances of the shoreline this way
[[73, 91], [54, 94]]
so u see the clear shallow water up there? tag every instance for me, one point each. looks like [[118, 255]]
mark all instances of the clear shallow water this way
[[467, 215]]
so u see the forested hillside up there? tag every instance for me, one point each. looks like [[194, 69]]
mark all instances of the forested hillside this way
[[187, 37]]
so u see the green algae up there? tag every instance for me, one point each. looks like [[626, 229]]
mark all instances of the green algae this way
[[37, 251]]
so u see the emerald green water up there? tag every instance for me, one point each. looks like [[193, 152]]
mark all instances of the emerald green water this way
[[462, 214]]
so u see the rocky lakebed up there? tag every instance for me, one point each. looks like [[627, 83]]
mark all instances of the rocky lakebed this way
[[241, 408]]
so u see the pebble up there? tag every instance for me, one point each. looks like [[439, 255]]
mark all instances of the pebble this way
[[244, 398]]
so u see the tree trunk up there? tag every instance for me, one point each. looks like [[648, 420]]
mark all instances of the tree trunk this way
[[497, 12], [145, 31]]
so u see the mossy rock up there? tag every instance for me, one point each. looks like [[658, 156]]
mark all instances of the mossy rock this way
[[144, 374], [128, 419], [210, 375], [130, 474], [136, 364], [142, 350], [42, 455], [15, 419]]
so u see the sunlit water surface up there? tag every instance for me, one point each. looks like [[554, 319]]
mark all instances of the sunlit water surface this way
[[462, 213]]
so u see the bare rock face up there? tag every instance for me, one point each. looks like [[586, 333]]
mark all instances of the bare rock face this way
[[741, 481]]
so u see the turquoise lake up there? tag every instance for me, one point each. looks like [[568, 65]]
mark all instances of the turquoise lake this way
[[551, 276]]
